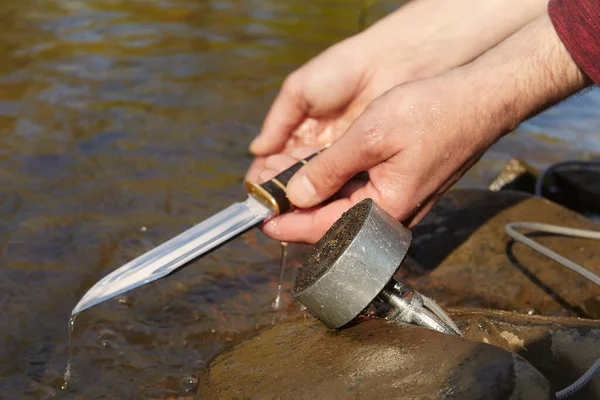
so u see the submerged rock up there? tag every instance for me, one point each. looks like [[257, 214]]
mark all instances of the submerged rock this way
[[374, 359]]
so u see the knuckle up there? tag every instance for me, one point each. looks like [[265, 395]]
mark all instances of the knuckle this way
[[289, 84], [329, 174], [293, 90], [374, 130], [331, 171], [372, 141]]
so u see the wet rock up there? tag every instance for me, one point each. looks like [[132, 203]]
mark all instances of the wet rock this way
[[560, 348], [373, 359], [461, 256]]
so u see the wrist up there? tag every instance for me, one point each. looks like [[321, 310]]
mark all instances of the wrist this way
[[527, 73]]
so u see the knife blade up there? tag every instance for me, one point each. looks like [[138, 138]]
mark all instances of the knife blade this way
[[264, 202]]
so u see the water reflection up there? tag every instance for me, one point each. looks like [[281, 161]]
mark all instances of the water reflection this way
[[117, 115]]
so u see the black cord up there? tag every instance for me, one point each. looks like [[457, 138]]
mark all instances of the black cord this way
[[560, 230]]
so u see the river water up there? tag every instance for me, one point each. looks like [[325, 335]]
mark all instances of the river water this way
[[123, 122]]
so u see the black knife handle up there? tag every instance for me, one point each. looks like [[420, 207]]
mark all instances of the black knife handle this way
[[273, 192]]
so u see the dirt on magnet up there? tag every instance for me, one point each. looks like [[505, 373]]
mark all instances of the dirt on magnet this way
[[332, 245]]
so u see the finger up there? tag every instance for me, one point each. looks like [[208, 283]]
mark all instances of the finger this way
[[286, 113], [301, 152], [439, 190], [255, 168], [280, 162], [306, 225], [266, 175], [394, 186], [259, 164], [360, 148], [354, 184], [421, 212], [404, 189]]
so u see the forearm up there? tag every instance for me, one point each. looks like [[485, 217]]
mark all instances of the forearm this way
[[525, 74], [461, 30]]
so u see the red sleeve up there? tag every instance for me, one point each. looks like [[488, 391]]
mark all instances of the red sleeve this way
[[577, 23]]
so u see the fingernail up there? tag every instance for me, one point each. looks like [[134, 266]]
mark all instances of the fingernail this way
[[255, 145], [302, 192], [271, 228]]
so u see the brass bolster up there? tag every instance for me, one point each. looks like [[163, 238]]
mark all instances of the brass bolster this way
[[273, 193], [260, 194]]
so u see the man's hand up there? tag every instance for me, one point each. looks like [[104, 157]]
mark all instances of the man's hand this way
[[319, 101], [417, 139]]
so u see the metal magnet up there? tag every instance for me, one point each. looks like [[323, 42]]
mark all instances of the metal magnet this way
[[353, 264]]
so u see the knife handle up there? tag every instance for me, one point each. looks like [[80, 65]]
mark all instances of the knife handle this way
[[273, 192]]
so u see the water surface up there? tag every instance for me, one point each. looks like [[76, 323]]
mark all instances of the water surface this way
[[124, 122]]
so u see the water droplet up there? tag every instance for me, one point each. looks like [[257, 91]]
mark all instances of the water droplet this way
[[68, 374], [282, 265], [189, 384]]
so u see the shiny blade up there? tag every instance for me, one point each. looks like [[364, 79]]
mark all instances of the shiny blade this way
[[166, 258]]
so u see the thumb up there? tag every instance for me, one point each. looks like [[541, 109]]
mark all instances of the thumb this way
[[356, 151]]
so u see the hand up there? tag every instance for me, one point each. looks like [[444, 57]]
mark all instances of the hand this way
[[417, 139], [319, 101]]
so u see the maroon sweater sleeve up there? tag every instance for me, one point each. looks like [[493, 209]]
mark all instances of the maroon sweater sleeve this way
[[577, 23]]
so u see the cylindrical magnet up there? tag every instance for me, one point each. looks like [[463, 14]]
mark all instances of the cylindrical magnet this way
[[351, 263]]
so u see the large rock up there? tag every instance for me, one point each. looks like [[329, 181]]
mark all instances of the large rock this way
[[462, 256], [560, 348], [374, 359]]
